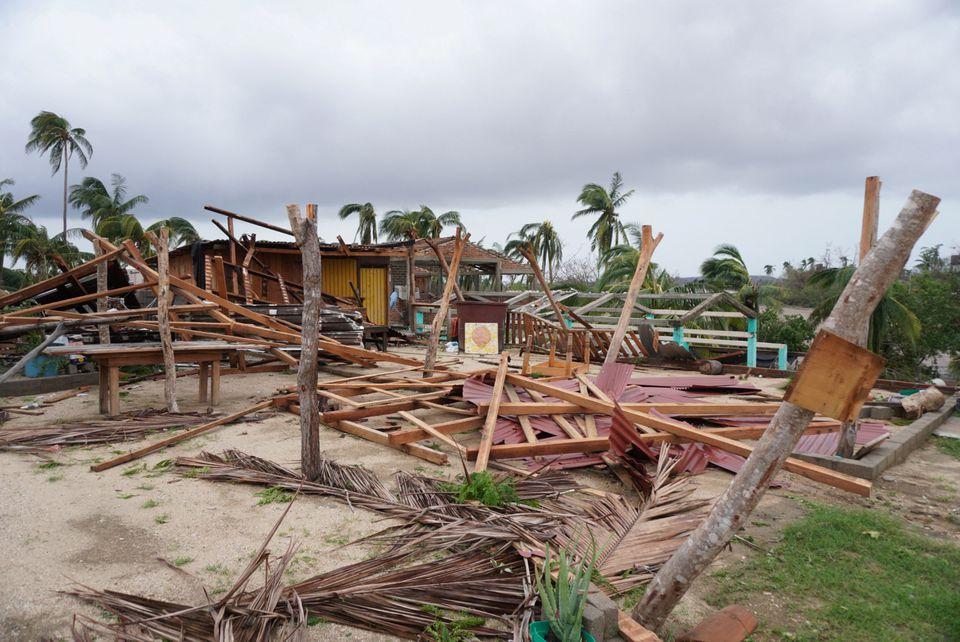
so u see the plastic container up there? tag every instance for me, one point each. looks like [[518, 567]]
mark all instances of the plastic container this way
[[540, 630], [481, 312]]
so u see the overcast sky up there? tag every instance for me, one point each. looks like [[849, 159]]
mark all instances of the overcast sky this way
[[752, 123]]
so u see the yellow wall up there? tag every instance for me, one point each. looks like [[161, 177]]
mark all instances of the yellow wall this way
[[373, 289], [337, 275]]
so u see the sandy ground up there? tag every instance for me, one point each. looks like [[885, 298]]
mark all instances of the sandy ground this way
[[67, 525]]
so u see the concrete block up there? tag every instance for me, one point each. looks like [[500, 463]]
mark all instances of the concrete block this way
[[611, 611], [881, 412], [594, 621]]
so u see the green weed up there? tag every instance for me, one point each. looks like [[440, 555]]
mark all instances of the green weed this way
[[274, 495], [150, 503], [182, 561], [162, 519], [948, 446]]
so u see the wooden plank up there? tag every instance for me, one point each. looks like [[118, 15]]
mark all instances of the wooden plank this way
[[359, 430], [176, 439], [409, 435], [524, 408], [835, 377], [545, 448], [49, 284], [427, 428], [525, 424], [486, 439]]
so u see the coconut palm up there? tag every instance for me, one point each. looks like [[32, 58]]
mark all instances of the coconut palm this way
[[36, 249], [889, 318], [367, 223], [182, 231], [542, 240], [399, 224], [726, 269], [97, 203], [607, 231], [12, 219], [768, 269], [51, 134], [930, 259]]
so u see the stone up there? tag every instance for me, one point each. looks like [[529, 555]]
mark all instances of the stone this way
[[881, 412]]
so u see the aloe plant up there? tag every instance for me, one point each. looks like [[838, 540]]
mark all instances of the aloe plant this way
[[565, 597]]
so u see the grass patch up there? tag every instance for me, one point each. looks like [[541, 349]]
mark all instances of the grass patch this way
[[162, 519], [145, 487], [49, 465], [274, 495], [182, 561], [852, 574], [218, 569], [54, 478], [125, 496], [483, 487], [134, 470], [948, 446], [150, 503]]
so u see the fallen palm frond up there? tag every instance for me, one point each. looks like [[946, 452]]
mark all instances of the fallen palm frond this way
[[270, 612], [126, 427]]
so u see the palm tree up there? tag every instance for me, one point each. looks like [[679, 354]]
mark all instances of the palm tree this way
[[51, 134], [890, 316], [543, 241], [399, 224], [930, 259], [36, 249], [768, 269], [367, 223], [182, 231], [607, 230], [97, 203], [726, 269], [12, 219]]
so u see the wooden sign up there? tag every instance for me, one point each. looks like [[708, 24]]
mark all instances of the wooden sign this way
[[835, 377]]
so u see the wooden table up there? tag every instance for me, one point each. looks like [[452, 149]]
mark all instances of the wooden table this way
[[110, 358]]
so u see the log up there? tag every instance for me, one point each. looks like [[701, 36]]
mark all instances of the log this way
[[647, 246], [874, 276], [102, 286], [305, 231], [440, 318], [163, 318], [443, 266], [25, 359], [868, 238]]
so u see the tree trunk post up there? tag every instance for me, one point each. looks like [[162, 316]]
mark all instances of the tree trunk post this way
[[102, 286], [411, 286], [868, 238], [647, 246], [163, 320], [66, 164], [443, 266], [440, 318], [876, 273], [305, 231], [538, 273]]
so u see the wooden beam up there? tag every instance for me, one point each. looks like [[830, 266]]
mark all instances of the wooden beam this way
[[544, 448], [486, 440], [438, 321], [176, 439], [248, 219], [648, 245]]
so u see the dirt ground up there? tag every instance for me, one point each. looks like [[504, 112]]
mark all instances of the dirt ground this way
[[67, 525]]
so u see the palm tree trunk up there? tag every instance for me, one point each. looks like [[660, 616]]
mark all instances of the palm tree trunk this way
[[66, 164]]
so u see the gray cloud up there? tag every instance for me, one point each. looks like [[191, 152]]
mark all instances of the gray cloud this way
[[750, 122]]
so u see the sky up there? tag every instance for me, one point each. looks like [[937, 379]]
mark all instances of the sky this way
[[752, 123]]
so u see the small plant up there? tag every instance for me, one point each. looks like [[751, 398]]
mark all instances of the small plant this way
[[182, 561], [564, 598], [54, 478], [162, 519], [949, 446], [145, 487], [484, 488], [453, 628], [49, 465], [125, 496], [133, 470], [274, 495], [150, 503]]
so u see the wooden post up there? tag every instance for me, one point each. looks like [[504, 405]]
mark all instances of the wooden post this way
[[532, 260], [305, 231], [163, 319], [876, 273], [233, 253], [411, 287], [443, 266], [647, 246], [868, 238], [441, 316], [102, 286]]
